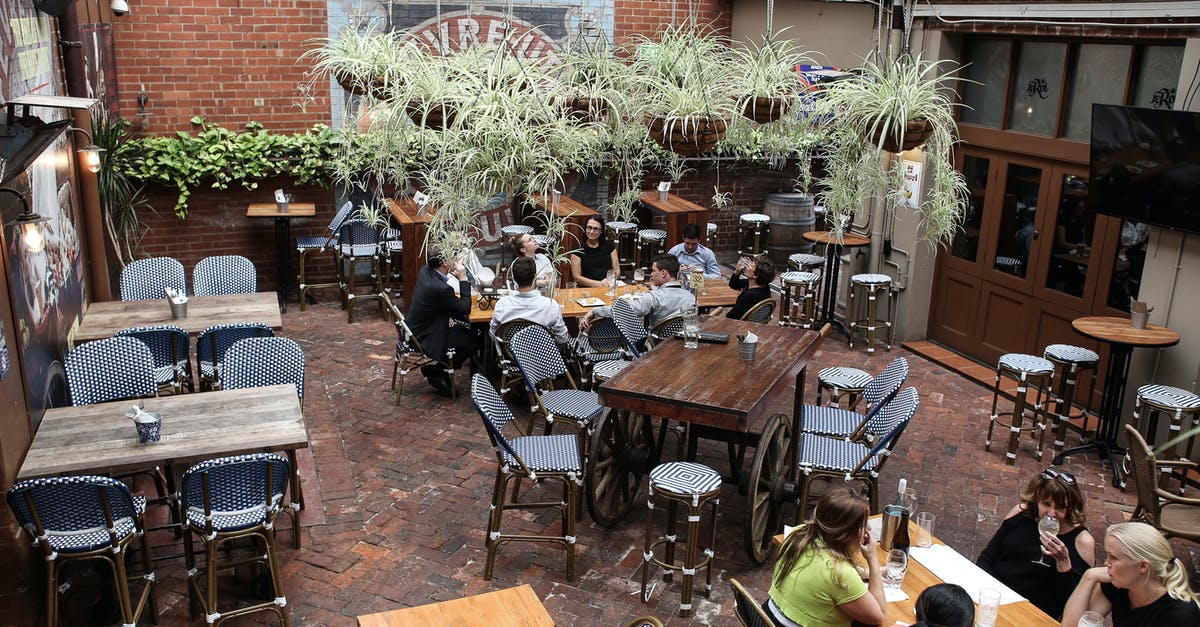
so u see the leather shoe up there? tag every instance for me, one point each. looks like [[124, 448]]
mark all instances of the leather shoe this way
[[441, 385]]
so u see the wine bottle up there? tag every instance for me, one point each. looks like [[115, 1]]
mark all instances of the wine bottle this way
[[901, 540], [903, 485]]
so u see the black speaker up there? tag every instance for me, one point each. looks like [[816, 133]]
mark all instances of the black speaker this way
[[52, 7]]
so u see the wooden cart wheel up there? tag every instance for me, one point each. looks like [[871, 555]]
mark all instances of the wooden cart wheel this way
[[765, 492], [622, 452]]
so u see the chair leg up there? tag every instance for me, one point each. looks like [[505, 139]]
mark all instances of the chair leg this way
[[872, 301], [148, 577], [52, 593], [689, 560], [210, 575], [570, 494], [303, 281], [494, 517], [647, 544], [280, 601], [987, 444]]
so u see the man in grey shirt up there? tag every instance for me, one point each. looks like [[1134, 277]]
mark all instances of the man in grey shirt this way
[[529, 304], [695, 257], [666, 299]]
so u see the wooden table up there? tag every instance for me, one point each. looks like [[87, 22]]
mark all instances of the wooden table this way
[[413, 226], [100, 439], [103, 319], [833, 269], [718, 294], [283, 238], [678, 214], [1121, 339], [722, 397], [510, 607]]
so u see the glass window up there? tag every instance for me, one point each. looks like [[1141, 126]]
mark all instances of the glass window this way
[[1073, 230], [966, 241], [1018, 217], [1038, 87], [987, 65], [1098, 76], [1128, 264], [1156, 77]]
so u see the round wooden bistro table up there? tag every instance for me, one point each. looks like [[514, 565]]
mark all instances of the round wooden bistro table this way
[[833, 267], [1121, 339]]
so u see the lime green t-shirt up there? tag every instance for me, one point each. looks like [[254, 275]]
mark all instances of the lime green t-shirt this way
[[812, 592]]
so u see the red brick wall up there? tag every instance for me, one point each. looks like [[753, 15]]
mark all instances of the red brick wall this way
[[646, 17]]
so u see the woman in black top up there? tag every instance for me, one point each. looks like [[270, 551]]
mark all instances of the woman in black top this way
[[1014, 554], [591, 262], [1142, 583], [755, 286]]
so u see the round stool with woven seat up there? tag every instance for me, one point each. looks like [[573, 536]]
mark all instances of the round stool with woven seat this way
[[623, 236], [799, 298], [806, 262], [693, 486], [1026, 370], [871, 286], [1072, 360], [842, 381], [650, 243], [1182, 405], [756, 227]]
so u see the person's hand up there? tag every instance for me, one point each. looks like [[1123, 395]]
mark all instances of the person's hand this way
[[1097, 574], [741, 265], [586, 320], [458, 271], [1056, 549], [870, 548]]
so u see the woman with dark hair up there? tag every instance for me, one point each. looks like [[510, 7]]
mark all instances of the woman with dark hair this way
[[1017, 554], [944, 605], [815, 582], [591, 262]]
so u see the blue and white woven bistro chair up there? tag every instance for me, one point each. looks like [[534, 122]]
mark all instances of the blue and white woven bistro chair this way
[[510, 374], [224, 274], [533, 457], [631, 325], [845, 423], [836, 458], [171, 349], [325, 243], [842, 382], [746, 607], [409, 353], [215, 341], [145, 279], [761, 312], [600, 343], [110, 369], [84, 518], [665, 329], [358, 245], [541, 364], [232, 498]]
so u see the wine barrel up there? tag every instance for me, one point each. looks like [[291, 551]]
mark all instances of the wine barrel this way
[[792, 216]]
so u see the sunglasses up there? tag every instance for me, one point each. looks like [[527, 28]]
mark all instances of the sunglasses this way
[[1066, 477]]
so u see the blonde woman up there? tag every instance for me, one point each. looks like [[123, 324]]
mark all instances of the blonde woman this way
[[815, 582], [1141, 582]]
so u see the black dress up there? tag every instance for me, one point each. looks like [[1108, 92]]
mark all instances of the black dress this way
[[1011, 554], [1166, 610], [749, 296], [594, 263]]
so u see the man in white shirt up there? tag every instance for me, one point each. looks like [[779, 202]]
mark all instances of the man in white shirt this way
[[529, 304], [694, 257]]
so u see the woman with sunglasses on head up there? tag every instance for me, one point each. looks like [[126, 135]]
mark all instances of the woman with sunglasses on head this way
[[1042, 567], [591, 262], [1141, 582]]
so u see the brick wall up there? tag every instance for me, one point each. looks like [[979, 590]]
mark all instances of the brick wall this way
[[641, 17]]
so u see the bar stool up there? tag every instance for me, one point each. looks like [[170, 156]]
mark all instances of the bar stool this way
[[693, 486], [842, 381], [1073, 360], [871, 285], [756, 228], [799, 297], [805, 262], [1179, 403], [650, 242], [624, 237], [508, 234], [390, 249], [1027, 370]]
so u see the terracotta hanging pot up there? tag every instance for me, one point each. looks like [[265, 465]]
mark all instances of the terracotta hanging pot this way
[[765, 110], [916, 132], [686, 137], [433, 117], [586, 109]]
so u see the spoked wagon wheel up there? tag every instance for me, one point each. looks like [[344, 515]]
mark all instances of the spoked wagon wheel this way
[[767, 486], [622, 452]]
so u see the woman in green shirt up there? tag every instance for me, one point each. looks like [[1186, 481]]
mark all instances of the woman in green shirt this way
[[816, 583]]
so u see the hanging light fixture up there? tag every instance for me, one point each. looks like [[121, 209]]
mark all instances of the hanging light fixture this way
[[28, 223], [89, 154], [24, 136]]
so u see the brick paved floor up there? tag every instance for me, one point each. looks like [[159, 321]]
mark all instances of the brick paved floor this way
[[398, 495]]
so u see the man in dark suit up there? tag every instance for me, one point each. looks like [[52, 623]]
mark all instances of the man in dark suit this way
[[439, 319]]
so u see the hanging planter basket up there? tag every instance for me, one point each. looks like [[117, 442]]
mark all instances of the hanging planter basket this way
[[916, 132], [766, 110], [349, 82], [433, 117], [586, 109], [686, 137]]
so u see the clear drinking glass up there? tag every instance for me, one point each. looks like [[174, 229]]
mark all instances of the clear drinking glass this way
[[895, 568], [1091, 619], [691, 328], [989, 607], [571, 287], [1049, 525], [925, 529], [612, 283], [910, 502], [639, 276]]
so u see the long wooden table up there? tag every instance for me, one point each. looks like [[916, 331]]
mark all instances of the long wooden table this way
[[510, 607], [677, 212], [103, 319], [718, 294], [100, 439]]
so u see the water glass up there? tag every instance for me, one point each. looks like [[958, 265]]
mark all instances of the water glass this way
[[989, 607], [1091, 619], [612, 283], [910, 502], [571, 287], [895, 568], [691, 328], [925, 529], [639, 276]]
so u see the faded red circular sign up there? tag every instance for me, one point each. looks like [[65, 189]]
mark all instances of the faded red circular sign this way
[[459, 30]]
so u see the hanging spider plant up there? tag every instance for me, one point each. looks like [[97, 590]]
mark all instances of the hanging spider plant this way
[[766, 77], [364, 62]]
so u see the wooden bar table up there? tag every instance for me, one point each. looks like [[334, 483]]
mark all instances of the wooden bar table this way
[[414, 223], [510, 607], [833, 268], [283, 239], [103, 319], [678, 214]]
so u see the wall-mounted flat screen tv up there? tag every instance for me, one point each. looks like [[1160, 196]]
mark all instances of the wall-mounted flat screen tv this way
[[1145, 165]]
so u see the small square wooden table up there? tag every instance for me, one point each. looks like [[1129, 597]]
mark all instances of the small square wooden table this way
[[414, 223], [103, 319], [678, 214]]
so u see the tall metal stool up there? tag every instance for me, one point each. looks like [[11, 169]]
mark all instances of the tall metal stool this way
[[650, 242], [842, 381], [1072, 360], [756, 229], [1027, 370], [806, 262], [693, 486], [623, 235], [799, 298], [1180, 404], [871, 285]]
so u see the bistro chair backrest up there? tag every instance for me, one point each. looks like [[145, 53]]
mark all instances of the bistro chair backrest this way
[[761, 312], [1145, 475], [145, 279], [632, 327], [883, 387], [665, 329], [74, 513], [170, 347], [603, 336], [356, 238], [748, 611], [537, 355], [247, 489], [262, 361], [216, 340], [343, 212], [495, 414], [224, 274], [110, 369], [894, 412]]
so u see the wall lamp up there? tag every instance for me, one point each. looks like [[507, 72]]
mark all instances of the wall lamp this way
[[28, 223], [90, 154], [24, 136]]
